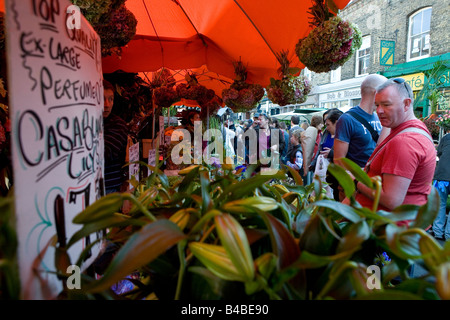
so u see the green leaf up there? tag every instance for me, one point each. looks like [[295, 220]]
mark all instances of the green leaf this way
[[343, 178], [357, 172], [283, 243], [246, 187], [310, 260], [403, 244], [207, 203], [433, 254], [343, 209], [400, 213], [142, 248], [428, 212], [357, 234], [105, 206], [296, 175], [116, 220]]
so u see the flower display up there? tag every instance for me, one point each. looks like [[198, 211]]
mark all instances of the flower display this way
[[117, 31], [242, 96], [329, 45], [443, 120], [290, 89], [94, 10], [165, 96]]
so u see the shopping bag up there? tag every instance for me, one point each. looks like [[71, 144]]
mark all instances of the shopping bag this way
[[321, 167]]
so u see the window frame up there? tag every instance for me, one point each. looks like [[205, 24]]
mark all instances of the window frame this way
[[410, 24], [336, 75], [357, 63]]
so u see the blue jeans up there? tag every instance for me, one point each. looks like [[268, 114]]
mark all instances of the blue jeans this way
[[441, 225]]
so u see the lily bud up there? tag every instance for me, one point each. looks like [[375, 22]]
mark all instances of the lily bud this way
[[244, 205], [266, 264], [443, 281], [216, 259], [181, 218], [235, 242]]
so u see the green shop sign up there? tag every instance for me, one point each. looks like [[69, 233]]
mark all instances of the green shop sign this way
[[387, 51]]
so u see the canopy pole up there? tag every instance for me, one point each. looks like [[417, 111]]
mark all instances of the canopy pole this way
[[154, 115]]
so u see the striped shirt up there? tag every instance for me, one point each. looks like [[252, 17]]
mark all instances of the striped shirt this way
[[115, 137]]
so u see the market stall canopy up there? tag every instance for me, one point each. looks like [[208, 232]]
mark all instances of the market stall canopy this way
[[186, 34]]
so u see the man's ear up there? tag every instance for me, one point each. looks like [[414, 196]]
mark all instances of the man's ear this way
[[408, 103]]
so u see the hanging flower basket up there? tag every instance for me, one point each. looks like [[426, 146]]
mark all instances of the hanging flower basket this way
[[290, 89], [242, 96], [165, 96], [329, 45], [117, 31]]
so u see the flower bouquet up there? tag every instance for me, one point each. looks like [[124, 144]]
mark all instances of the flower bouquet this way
[[242, 96], [330, 44], [290, 89], [443, 120]]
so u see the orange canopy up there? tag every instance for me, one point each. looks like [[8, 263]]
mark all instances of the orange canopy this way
[[212, 34]]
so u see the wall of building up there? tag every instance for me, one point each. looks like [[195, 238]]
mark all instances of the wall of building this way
[[389, 20]]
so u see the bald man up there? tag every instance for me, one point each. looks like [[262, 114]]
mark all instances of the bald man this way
[[353, 139], [406, 159]]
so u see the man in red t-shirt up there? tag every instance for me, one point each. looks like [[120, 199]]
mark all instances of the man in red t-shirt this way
[[405, 160]]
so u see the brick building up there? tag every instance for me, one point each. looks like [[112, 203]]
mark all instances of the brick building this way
[[401, 38]]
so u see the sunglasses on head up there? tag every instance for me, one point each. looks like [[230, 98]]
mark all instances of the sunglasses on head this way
[[400, 81]]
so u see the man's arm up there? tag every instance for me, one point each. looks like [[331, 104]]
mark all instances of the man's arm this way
[[393, 190], [340, 151]]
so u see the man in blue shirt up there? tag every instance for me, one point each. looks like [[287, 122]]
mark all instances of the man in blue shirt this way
[[353, 140]]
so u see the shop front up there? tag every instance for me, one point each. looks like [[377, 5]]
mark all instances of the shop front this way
[[342, 95], [415, 73]]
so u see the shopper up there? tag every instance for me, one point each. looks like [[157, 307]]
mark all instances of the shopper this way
[[326, 146], [310, 139], [406, 159], [354, 139]]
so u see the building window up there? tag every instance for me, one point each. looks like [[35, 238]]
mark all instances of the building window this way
[[335, 75], [363, 57], [419, 35]]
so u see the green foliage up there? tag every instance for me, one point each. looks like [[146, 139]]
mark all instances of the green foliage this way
[[225, 234], [9, 271]]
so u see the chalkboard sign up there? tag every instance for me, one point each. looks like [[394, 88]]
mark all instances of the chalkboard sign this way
[[56, 103]]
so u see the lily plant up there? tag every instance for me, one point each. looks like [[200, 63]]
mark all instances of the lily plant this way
[[227, 233]]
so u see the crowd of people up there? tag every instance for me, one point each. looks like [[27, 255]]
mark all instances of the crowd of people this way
[[381, 135]]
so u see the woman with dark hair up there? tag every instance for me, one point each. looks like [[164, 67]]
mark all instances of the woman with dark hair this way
[[326, 146], [115, 140]]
